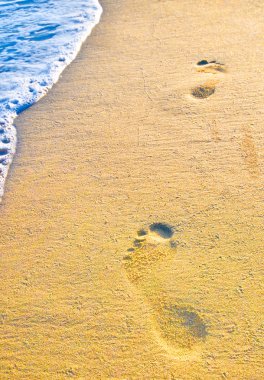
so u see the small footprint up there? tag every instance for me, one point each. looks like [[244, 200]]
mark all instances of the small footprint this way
[[249, 152], [205, 90], [178, 327], [208, 88], [212, 67]]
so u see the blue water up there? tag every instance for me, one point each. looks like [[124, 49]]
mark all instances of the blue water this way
[[38, 39]]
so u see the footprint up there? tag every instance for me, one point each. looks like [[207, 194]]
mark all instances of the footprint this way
[[208, 88], [212, 67], [177, 326], [249, 152], [204, 91]]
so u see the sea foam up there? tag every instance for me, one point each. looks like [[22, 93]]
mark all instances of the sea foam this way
[[38, 39]]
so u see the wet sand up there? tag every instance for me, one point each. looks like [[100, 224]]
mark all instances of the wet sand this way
[[132, 222]]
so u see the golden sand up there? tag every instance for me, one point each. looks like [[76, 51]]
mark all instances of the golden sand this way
[[132, 224]]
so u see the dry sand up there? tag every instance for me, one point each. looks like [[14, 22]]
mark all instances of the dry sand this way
[[121, 143]]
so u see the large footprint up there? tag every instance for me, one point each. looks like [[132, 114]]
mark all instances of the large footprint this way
[[208, 88], [177, 326]]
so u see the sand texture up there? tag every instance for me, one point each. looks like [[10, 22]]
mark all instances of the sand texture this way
[[132, 223]]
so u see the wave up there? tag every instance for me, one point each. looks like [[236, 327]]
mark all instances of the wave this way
[[38, 39]]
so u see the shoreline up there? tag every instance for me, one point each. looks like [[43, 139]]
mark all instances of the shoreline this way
[[8, 133], [90, 288]]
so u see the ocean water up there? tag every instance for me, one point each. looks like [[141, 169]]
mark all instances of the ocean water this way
[[38, 39]]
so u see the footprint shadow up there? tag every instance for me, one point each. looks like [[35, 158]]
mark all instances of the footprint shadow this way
[[176, 326], [204, 91]]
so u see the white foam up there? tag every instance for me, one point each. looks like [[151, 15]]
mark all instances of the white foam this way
[[38, 39]]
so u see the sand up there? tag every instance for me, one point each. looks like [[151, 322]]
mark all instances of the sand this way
[[132, 222]]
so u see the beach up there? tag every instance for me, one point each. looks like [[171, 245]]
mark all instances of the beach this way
[[132, 220]]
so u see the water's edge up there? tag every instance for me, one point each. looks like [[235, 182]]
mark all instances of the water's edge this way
[[8, 132]]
